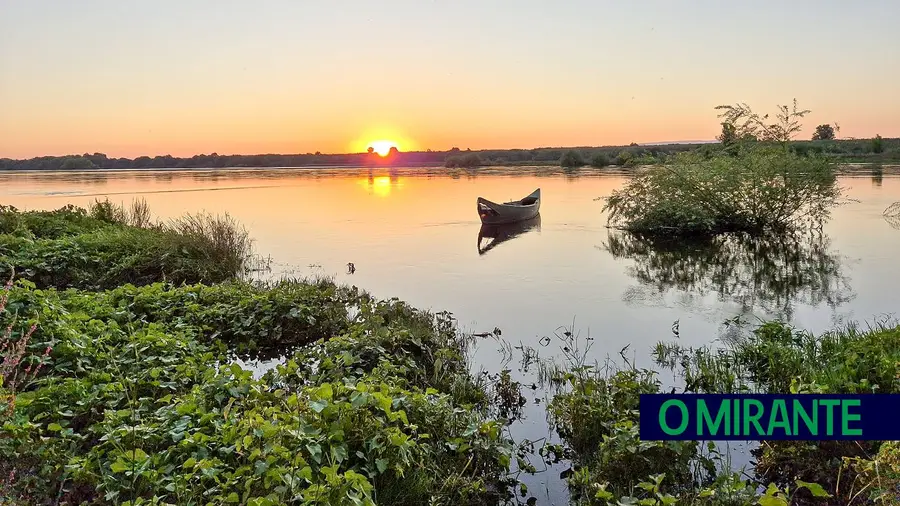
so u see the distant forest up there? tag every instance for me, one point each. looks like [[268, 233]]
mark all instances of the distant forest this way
[[850, 150]]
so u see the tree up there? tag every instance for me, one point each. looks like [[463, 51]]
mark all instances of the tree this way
[[729, 134], [76, 162], [823, 133], [370, 150], [600, 160], [877, 144], [571, 158], [751, 125]]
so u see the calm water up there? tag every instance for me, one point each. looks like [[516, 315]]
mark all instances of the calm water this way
[[414, 234]]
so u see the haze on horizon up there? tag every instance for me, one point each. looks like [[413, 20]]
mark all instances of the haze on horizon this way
[[281, 76]]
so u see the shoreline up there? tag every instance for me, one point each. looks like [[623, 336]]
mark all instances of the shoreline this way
[[843, 168]]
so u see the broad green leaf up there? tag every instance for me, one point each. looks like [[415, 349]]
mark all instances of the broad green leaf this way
[[771, 500], [325, 392], [814, 488], [119, 466]]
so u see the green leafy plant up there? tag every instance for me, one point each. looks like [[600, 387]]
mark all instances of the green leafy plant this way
[[571, 159], [761, 189]]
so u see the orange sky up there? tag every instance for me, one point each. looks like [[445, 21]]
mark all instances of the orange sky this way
[[293, 77]]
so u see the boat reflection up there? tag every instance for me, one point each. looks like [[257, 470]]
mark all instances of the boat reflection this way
[[493, 235]]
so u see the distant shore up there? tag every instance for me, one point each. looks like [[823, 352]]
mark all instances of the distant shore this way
[[845, 151], [843, 169]]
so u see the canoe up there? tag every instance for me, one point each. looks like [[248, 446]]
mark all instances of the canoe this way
[[492, 213], [494, 235]]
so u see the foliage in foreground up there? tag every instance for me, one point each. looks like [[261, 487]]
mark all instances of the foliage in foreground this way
[[109, 246], [596, 412], [776, 358], [140, 401]]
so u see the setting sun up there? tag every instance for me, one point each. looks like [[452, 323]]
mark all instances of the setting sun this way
[[383, 147]]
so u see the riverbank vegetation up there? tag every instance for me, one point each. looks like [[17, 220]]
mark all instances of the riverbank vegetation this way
[[140, 400], [595, 409], [755, 184], [109, 245], [133, 387], [777, 358]]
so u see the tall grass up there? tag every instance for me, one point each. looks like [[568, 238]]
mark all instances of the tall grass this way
[[216, 239], [109, 244], [135, 215]]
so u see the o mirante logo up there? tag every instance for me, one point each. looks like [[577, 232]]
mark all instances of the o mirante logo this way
[[721, 417]]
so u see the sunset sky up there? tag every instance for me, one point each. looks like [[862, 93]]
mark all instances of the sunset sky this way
[[290, 76]]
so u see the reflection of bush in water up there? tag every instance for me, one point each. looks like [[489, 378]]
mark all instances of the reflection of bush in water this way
[[892, 215], [770, 272]]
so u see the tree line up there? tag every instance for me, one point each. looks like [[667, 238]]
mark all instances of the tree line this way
[[846, 149]]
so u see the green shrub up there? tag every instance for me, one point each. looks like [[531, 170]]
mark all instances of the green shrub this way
[[759, 189], [600, 160], [877, 144], [777, 358], [139, 401], [466, 161], [625, 158], [571, 159], [109, 247]]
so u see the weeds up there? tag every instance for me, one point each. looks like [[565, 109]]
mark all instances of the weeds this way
[[218, 240], [777, 358], [109, 246], [15, 355], [142, 401]]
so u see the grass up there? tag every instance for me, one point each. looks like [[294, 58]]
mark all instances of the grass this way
[[108, 246]]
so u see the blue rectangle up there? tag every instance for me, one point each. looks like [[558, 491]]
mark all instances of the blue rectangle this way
[[800, 417]]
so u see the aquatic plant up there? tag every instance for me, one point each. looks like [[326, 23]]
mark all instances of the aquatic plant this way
[[141, 402], [466, 161], [109, 247], [877, 145], [749, 187], [778, 358], [761, 189]]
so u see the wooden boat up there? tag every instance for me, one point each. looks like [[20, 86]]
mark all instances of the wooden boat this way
[[494, 235], [492, 213]]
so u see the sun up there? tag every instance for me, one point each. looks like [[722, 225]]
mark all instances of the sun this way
[[382, 147]]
